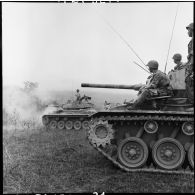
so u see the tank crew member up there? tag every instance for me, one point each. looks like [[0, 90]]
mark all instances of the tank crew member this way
[[107, 105], [190, 65], [86, 98], [157, 85], [78, 96], [177, 60]]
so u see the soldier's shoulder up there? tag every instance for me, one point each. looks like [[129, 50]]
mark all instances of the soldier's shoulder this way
[[159, 73]]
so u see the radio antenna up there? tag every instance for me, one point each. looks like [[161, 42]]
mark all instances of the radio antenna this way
[[128, 45], [171, 37]]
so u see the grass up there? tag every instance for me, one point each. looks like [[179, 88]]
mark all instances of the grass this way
[[36, 160]]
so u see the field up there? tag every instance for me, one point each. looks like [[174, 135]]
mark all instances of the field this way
[[41, 160], [38, 160]]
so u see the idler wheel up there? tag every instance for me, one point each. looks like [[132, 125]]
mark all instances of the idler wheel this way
[[69, 125], [132, 152], [100, 133], [188, 128], [77, 125], [61, 125], [53, 124], [168, 153], [85, 124], [191, 155]]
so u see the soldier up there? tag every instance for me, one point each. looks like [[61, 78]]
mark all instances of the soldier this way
[[157, 85], [107, 105], [190, 66], [177, 60], [78, 96], [190, 56]]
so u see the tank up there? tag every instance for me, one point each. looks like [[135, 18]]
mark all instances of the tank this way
[[75, 114], [157, 137]]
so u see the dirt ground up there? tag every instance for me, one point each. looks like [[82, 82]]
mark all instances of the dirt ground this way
[[59, 161]]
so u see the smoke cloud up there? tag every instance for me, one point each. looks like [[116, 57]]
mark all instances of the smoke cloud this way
[[21, 107], [24, 107]]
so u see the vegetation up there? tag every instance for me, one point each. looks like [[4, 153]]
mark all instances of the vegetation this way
[[38, 160]]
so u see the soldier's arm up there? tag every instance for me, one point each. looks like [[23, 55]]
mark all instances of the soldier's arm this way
[[192, 49], [190, 52]]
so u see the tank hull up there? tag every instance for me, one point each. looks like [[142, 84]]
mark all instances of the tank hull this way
[[67, 119], [145, 140]]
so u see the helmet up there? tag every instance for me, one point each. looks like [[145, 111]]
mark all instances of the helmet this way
[[152, 64], [190, 26], [77, 90], [177, 56]]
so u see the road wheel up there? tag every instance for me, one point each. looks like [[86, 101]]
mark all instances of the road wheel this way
[[69, 125], [53, 124], [77, 125], [132, 152], [85, 124], [168, 153], [61, 125]]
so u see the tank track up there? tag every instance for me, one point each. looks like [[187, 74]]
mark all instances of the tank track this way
[[67, 122], [147, 169]]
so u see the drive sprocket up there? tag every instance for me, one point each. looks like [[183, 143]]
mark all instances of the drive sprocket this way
[[101, 133]]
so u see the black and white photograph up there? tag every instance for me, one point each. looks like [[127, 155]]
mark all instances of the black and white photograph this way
[[98, 97]]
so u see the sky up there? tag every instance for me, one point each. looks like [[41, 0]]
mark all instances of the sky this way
[[61, 45]]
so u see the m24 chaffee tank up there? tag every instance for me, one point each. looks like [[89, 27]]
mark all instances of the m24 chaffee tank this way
[[158, 137], [72, 115]]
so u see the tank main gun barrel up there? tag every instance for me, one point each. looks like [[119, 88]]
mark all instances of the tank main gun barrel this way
[[134, 87]]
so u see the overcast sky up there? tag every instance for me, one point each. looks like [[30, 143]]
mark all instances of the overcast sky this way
[[62, 45]]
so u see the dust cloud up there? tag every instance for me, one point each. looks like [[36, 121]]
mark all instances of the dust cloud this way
[[22, 107]]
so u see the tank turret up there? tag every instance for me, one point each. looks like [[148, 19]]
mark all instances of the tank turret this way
[[177, 102]]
